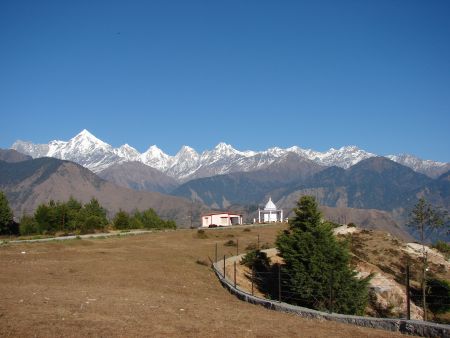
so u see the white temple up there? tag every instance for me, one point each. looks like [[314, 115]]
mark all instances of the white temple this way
[[270, 213]]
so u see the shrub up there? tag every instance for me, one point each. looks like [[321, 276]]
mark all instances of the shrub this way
[[351, 225], [438, 298], [28, 226], [251, 246], [265, 246], [201, 234], [230, 243], [121, 220], [247, 230], [443, 248]]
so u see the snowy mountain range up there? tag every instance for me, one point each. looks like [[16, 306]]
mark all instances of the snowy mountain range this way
[[96, 155]]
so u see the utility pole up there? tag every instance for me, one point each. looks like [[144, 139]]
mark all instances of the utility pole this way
[[408, 300], [424, 286]]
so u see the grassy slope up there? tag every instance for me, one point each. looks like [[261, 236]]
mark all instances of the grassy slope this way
[[147, 285]]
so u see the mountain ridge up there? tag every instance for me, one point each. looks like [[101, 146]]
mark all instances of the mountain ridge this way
[[187, 164]]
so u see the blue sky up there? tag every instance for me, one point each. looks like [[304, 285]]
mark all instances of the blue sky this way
[[254, 74]]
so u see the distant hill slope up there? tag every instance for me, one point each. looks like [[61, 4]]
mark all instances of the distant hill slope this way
[[375, 183], [221, 191], [27, 184], [11, 155], [138, 176]]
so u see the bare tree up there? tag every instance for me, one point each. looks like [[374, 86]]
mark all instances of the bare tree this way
[[425, 218]]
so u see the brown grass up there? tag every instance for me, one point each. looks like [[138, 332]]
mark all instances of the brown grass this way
[[146, 285]]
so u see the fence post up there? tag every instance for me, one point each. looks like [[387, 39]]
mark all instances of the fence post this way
[[253, 277], [216, 253], [234, 273], [279, 283], [224, 266], [258, 241], [237, 247], [408, 301]]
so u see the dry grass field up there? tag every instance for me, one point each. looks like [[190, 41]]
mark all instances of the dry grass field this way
[[153, 285]]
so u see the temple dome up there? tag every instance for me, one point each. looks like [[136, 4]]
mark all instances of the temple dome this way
[[270, 206]]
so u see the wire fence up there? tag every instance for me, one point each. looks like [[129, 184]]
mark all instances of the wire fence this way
[[277, 284]]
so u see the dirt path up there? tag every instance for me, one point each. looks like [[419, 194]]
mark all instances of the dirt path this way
[[154, 285]]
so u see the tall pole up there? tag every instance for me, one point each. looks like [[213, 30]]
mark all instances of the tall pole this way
[[408, 301], [223, 266], [237, 247], [216, 254], [253, 277], [258, 241], [424, 286], [234, 273]]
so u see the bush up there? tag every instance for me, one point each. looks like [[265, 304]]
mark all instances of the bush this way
[[247, 230], [351, 225], [230, 243], [201, 234], [28, 226], [443, 248], [438, 298], [251, 246], [121, 220]]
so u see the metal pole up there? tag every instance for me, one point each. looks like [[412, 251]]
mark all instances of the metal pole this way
[[223, 266], [253, 277], [258, 241], [408, 300], [216, 253], [424, 286], [237, 247], [234, 273]]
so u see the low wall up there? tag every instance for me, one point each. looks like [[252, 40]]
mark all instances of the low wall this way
[[413, 327]]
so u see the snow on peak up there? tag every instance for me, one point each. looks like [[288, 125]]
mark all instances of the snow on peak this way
[[127, 152], [89, 151], [87, 142]]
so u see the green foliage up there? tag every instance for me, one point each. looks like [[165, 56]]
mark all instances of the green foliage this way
[[122, 220], [257, 260], [28, 226], [6, 215], [443, 248], [438, 299], [425, 218], [67, 217], [315, 263], [148, 219]]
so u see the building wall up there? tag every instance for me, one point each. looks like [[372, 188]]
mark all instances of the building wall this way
[[271, 217], [223, 219]]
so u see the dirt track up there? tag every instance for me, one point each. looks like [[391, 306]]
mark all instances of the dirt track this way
[[144, 285]]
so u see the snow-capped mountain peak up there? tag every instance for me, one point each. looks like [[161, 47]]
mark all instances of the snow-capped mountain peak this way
[[127, 152], [93, 153], [156, 158]]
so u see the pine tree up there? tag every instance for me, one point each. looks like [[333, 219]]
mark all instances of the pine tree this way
[[122, 220], [6, 215], [316, 271]]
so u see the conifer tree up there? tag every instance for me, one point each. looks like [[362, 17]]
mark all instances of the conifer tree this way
[[316, 271], [6, 215]]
